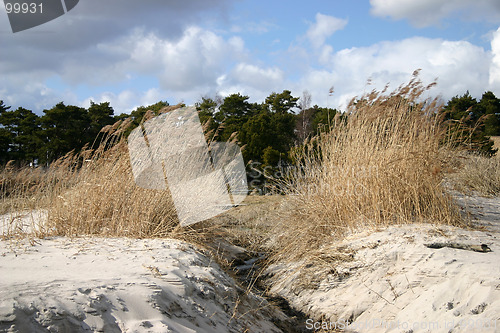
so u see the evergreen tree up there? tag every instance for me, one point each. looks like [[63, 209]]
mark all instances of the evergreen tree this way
[[138, 114], [282, 103], [462, 108], [465, 118], [207, 108], [100, 116], [3, 107], [5, 137], [21, 134], [233, 114], [5, 140], [267, 129], [63, 128], [322, 118], [490, 108]]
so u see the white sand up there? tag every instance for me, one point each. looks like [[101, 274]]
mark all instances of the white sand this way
[[26, 223], [394, 283], [387, 281], [121, 285]]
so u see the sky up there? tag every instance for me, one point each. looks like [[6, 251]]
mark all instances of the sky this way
[[138, 52]]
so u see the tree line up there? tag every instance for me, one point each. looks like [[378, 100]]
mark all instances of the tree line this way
[[474, 121], [267, 131]]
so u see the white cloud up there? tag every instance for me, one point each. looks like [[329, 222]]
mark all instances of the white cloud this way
[[428, 12], [495, 64], [254, 76], [94, 21], [92, 46], [194, 60], [126, 100], [184, 67], [140, 65], [324, 27], [22, 90], [251, 80], [459, 66], [325, 54]]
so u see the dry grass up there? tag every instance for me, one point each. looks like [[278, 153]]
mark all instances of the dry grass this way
[[25, 194], [381, 165], [478, 174], [92, 193], [16, 183], [105, 200], [28, 188], [496, 145], [251, 225]]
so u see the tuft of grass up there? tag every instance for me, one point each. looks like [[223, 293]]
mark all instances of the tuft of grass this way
[[380, 164], [15, 183], [478, 174], [103, 199], [25, 194], [92, 192]]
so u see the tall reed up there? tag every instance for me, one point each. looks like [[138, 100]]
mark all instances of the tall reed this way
[[381, 163], [92, 192]]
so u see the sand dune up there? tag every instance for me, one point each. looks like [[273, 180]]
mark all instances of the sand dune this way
[[394, 280], [411, 278], [122, 285]]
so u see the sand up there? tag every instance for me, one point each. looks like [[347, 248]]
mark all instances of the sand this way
[[122, 285], [386, 280], [390, 281]]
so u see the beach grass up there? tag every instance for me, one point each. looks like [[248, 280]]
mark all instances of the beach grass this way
[[381, 163], [92, 192], [477, 174]]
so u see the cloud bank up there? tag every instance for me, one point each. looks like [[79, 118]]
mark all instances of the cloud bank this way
[[424, 13], [177, 59]]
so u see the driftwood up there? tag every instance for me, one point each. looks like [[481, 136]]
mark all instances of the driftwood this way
[[461, 246]]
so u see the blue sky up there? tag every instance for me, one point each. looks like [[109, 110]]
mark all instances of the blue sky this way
[[134, 53]]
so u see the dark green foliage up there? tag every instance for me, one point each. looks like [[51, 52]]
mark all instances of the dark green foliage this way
[[63, 128], [233, 114], [25, 129], [271, 156], [207, 108], [235, 107], [27, 138], [138, 114], [258, 133], [490, 107], [265, 131], [471, 122], [100, 116], [5, 140], [19, 135], [322, 118], [3, 107], [5, 136], [461, 108], [281, 103], [272, 126]]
